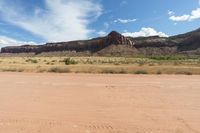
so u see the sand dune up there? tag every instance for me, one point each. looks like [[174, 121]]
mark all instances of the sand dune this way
[[83, 103]]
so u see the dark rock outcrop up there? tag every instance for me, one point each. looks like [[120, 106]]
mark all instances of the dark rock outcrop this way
[[116, 44]]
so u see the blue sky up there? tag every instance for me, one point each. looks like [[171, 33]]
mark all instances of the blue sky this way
[[39, 21]]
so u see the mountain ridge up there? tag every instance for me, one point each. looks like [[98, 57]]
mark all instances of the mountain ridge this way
[[117, 44]]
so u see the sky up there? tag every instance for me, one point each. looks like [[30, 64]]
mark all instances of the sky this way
[[41, 21]]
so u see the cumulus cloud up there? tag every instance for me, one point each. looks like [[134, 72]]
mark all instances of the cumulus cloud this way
[[195, 14], [145, 32], [7, 41], [124, 21], [61, 20]]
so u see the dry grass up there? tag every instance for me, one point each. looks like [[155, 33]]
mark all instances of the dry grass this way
[[121, 65]]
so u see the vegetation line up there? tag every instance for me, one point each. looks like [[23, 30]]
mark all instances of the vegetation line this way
[[113, 65]]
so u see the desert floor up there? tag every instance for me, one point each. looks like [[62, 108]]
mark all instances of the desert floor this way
[[92, 103]]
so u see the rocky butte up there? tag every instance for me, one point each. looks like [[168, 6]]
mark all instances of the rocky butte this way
[[115, 44]]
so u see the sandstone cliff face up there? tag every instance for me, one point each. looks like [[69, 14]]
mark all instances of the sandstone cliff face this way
[[116, 44]]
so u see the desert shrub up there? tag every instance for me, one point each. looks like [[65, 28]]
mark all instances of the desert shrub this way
[[151, 64], [12, 70], [116, 63], [59, 70], [188, 73], [141, 72], [111, 71], [160, 57], [184, 73], [122, 71], [158, 72], [41, 70], [168, 57], [140, 62], [69, 61], [176, 63], [32, 60], [114, 71], [88, 61]]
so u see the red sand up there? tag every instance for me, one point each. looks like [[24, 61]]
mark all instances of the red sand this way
[[83, 103]]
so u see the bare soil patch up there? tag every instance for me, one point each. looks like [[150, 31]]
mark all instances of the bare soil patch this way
[[93, 103]]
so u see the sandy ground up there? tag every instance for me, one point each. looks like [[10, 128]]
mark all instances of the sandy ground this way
[[83, 103]]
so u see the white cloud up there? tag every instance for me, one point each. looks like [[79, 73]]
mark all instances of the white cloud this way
[[62, 20], [195, 14], [170, 12], [124, 21], [7, 41], [102, 33], [145, 32], [180, 18]]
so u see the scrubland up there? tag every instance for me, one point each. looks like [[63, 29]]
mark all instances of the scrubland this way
[[120, 65]]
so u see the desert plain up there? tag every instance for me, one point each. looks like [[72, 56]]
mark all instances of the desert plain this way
[[99, 103]]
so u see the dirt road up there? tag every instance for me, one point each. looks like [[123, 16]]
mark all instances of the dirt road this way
[[83, 103]]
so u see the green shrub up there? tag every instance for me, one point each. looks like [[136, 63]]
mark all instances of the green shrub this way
[[184, 72], [114, 71], [141, 62], [32, 61], [111, 71], [69, 61], [141, 72], [59, 70], [168, 57], [159, 72], [12, 70]]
